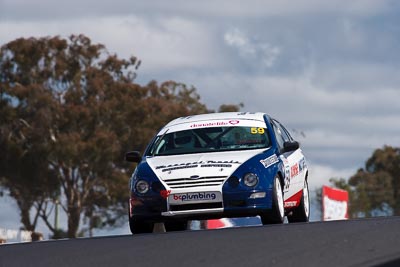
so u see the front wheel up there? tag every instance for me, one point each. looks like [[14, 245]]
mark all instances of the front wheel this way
[[140, 227], [277, 213], [302, 212]]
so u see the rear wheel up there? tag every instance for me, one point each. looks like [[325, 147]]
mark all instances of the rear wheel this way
[[173, 226], [139, 226], [277, 213], [302, 212]]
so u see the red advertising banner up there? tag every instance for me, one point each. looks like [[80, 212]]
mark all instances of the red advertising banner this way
[[218, 223], [334, 204]]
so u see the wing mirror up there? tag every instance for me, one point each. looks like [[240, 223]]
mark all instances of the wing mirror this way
[[290, 146], [133, 156]]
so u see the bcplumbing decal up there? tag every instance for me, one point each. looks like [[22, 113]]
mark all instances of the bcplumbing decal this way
[[194, 197]]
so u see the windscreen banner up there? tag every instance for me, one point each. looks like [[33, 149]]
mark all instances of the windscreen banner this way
[[335, 204]]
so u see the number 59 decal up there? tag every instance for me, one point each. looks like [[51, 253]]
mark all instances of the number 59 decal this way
[[255, 130]]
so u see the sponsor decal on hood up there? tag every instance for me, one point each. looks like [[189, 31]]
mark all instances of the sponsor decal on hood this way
[[204, 164]]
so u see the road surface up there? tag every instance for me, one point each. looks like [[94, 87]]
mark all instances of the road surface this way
[[366, 242]]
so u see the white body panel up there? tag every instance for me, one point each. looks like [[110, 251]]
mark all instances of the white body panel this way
[[296, 175], [215, 120], [219, 164]]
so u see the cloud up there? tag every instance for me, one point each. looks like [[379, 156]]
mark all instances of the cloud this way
[[47, 9], [319, 175], [328, 69], [252, 51], [161, 43], [238, 39], [341, 127]]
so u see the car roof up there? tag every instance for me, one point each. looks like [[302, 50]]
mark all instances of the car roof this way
[[257, 116]]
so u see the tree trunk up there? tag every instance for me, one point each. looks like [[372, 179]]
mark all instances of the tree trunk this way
[[74, 216], [25, 218]]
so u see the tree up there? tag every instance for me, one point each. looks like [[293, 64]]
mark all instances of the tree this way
[[377, 186], [385, 164], [23, 154], [230, 108], [69, 111], [56, 91], [374, 190]]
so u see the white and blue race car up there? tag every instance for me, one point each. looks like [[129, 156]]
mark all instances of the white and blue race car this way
[[218, 165]]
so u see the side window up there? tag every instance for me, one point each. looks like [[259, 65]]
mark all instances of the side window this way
[[278, 133], [285, 134], [282, 135]]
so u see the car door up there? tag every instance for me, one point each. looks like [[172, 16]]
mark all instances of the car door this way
[[293, 162]]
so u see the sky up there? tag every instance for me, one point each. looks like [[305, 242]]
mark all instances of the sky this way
[[328, 70]]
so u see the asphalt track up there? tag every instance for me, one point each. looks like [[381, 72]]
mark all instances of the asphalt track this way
[[367, 242]]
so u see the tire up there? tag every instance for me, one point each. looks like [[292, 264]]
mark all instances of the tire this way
[[140, 227], [174, 226], [302, 212], [277, 213]]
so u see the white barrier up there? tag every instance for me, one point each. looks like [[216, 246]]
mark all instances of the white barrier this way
[[335, 204], [334, 210], [10, 235]]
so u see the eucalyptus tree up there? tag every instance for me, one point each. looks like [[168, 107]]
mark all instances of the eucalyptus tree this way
[[69, 110]]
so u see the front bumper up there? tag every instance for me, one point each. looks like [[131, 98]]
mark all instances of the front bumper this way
[[234, 204]]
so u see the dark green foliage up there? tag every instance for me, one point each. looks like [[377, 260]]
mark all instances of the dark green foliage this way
[[375, 190]]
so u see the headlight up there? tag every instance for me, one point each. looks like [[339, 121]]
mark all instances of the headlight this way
[[142, 186], [250, 179], [132, 180]]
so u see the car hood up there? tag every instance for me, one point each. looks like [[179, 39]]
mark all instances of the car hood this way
[[199, 165]]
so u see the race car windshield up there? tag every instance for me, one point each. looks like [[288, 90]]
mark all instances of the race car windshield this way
[[213, 139]]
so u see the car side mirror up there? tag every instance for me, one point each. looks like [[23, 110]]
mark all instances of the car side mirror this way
[[290, 146], [133, 156]]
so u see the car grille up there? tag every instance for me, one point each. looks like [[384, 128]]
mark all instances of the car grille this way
[[202, 181]]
